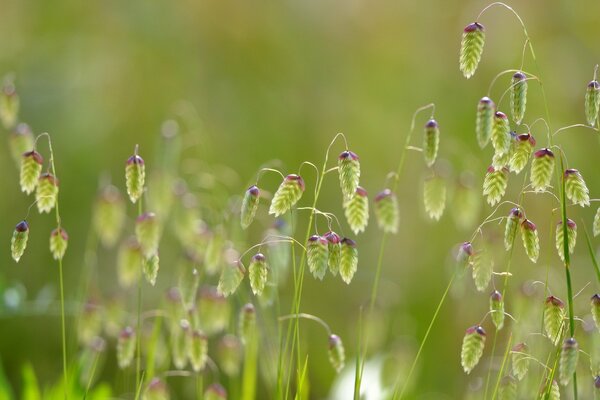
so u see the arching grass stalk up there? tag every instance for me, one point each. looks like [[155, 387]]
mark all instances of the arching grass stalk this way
[[138, 333], [375, 287]]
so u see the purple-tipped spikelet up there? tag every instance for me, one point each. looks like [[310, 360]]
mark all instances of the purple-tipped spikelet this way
[[334, 246], [156, 390], [595, 305], [386, 211], [348, 260], [317, 256], [592, 102], [494, 184], [356, 209], [231, 277], [247, 323], [596, 226], [572, 238], [129, 262], [215, 392], [483, 267], [135, 176], [472, 347], [434, 197], [31, 167], [126, 347], [147, 233], [554, 391], [531, 241], [518, 96], [9, 104], [59, 239], [575, 188], [501, 138], [337, 355], [554, 315], [288, 194], [21, 141], [213, 310], [497, 309], [258, 272], [512, 224], [89, 323], [523, 148], [249, 206], [349, 172], [46, 192], [484, 122], [520, 360], [230, 355], [502, 160], [542, 167], [597, 382], [507, 390], [569, 356], [151, 267], [18, 243], [471, 48], [198, 350], [465, 254], [431, 142], [109, 215]]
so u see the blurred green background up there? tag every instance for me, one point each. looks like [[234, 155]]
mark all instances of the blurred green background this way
[[277, 80]]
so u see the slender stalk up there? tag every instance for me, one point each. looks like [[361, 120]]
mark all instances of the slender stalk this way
[[506, 352], [138, 331]]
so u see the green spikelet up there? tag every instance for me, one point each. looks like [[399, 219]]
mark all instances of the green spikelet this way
[[497, 309], [592, 102], [151, 267], [472, 347], [46, 192], [147, 233], [484, 122], [348, 260], [229, 355], [18, 243], [21, 141], [512, 223], [572, 236], [494, 184], [230, 278], [569, 356], [9, 104], [198, 350], [356, 210], [247, 323], [531, 241], [288, 194], [523, 148], [597, 222], [258, 273], [597, 382], [541, 169], [109, 215], [213, 257], [386, 211], [334, 246], [465, 254], [518, 96], [349, 172], [59, 240], [520, 360], [179, 343], [554, 314], [215, 392], [129, 262], [337, 355], [317, 254], [249, 206], [501, 137], [31, 167], [213, 310], [434, 197], [500, 161], [126, 347], [135, 176], [575, 188], [595, 305], [156, 390], [431, 141], [554, 391], [508, 388], [471, 48], [483, 266]]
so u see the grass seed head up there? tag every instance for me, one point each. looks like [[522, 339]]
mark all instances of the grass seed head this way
[[258, 272], [356, 210], [147, 233], [434, 197], [501, 137], [483, 267], [597, 222], [288, 194], [156, 390], [349, 172], [523, 148], [576, 188], [109, 215], [554, 315], [9, 104], [126, 347], [46, 192], [595, 305], [465, 254], [431, 141], [472, 347], [151, 267], [348, 260], [518, 96], [337, 356], [31, 167], [18, 243], [231, 277], [129, 260], [135, 176], [542, 168], [531, 241], [484, 121], [59, 239], [229, 354], [249, 206], [317, 253], [497, 309], [572, 238], [471, 48], [508, 388], [494, 184], [215, 392], [520, 360], [247, 323], [592, 102], [512, 223], [198, 350], [569, 356], [213, 310], [386, 211], [334, 246], [21, 141]]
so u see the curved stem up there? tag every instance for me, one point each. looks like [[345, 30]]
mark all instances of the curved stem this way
[[307, 316]]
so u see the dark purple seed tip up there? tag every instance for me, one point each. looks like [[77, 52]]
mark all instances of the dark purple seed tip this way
[[523, 137], [570, 342], [491, 169], [126, 333], [259, 257], [486, 100], [500, 114], [476, 329], [48, 176], [543, 152], [496, 295], [135, 159], [467, 248], [61, 232], [314, 238], [360, 191], [432, 123], [594, 84], [516, 213], [22, 226], [156, 384], [348, 242], [519, 347], [332, 237], [249, 308], [596, 299], [295, 178], [597, 382], [555, 301], [254, 190], [334, 340], [348, 155], [527, 224], [383, 194], [472, 27], [146, 217], [519, 76], [35, 155], [571, 171]]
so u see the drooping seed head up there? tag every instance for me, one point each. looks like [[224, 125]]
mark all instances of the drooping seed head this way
[[497, 309], [520, 360], [595, 306], [356, 210], [147, 232], [512, 223], [434, 196], [229, 354], [572, 238], [21, 141], [576, 188], [592, 102], [135, 176], [518, 96], [337, 356], [9, 104], [129, 259], [494, 184], [523, 148], [568, 360], [198, 350], [386, 211], [247, 322], [431, 141], [18, 243], [59, 239], [349, 173], [471, 48], [334, 246], [46, 192], [109, 215], [348, 260], [31, 167], [472, 347], [484, 121], [156, 390], [554, 314], [150, 267], [249, 205], [501, 137], [542, 168], [317, 255], [126, 347], [231, 277], [483, 268], [287, 195], [531, 241], [465, 253], [215, 392], [258, 273]]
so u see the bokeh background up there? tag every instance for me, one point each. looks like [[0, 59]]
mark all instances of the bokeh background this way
[[268, 80]]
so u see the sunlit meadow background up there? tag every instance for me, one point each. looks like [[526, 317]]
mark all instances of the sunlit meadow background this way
[[277, 80]]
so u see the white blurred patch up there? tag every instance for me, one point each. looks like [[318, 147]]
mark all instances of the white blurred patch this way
[[371, 388]]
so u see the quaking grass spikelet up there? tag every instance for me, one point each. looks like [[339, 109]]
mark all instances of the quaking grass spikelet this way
[[129, 260], [147, 232], [431, 141], [229, 355], [156, 390], [213, 310], [356, 210], [596, 226], [46, 192], [554, 315], [349, 172], [21, 141], [595, 306], [198, 351], [288, 194], [179, 342], [484, 122], [434, 197], [494, 184], [126, 347], [471, 48], [31, 167], [508, 388], [542, 167], [215, 392], [135, 176], [386, 211], [575, 188], [9, 104], [59, 240], [18, 243], [569, 356], [572, 235], [258, 273], [523, 148], [109, 215], [247, 322], [317, 255], [337, 356], [502, 160], [483, 266], [592, 102], [334, 246], [519, 360], [531, 241], [472, 347], [501, 137], [151, 266], [348, 260], [554, 391], [465, 254], [497, 309], [231, 277], [512, 224], [518, 96], [249, 206]]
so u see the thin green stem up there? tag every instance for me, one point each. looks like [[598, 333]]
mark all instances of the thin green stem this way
[[138, 344]]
